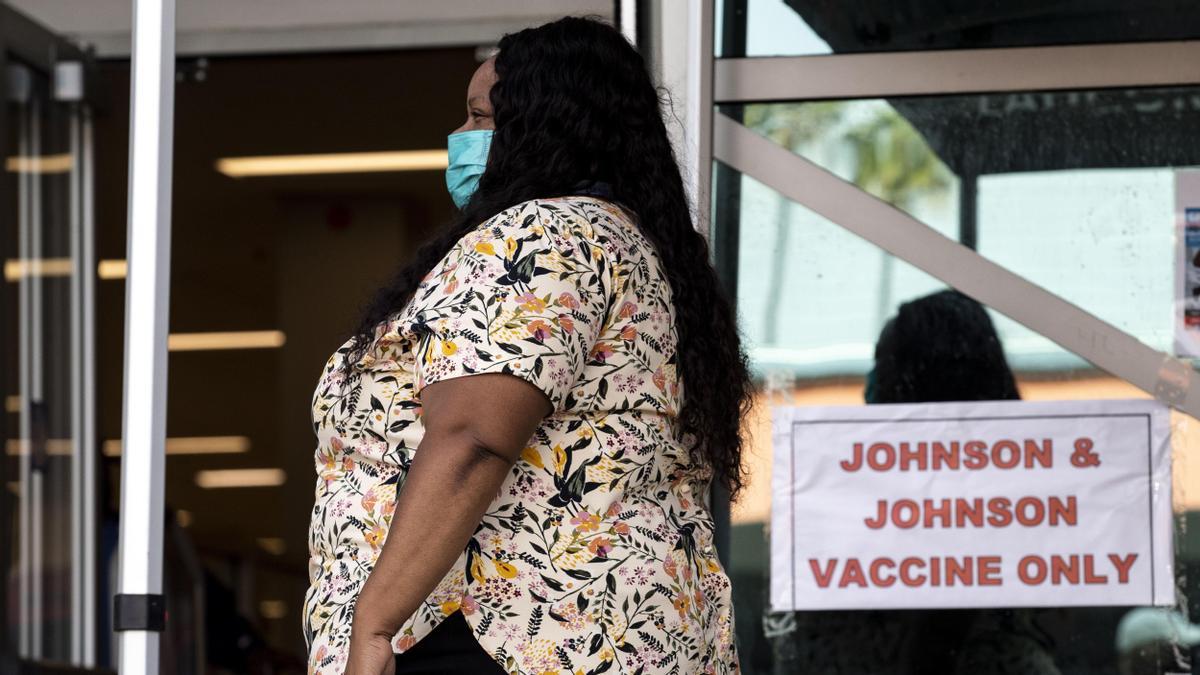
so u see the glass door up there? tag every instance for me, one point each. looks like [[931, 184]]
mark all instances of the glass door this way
[[47, 500], [1070, 184]]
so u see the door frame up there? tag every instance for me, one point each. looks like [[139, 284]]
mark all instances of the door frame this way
[[739, 80], [71, 70], [728, 151]]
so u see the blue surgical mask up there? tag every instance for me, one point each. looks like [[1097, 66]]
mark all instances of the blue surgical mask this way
[[468, 154]]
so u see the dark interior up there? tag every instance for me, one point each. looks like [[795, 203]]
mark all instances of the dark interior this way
[[298, 254]]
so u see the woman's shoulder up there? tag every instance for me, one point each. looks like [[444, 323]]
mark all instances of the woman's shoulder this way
[[570, 219]]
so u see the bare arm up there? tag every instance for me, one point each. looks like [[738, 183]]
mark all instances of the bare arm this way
[[475, 429]]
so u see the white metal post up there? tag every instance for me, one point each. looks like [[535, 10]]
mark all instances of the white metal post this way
[[78, 453], [139, 604], [627, 9], [87, 428], [699, 109], [69, 90], [22, 88], [682, 46]]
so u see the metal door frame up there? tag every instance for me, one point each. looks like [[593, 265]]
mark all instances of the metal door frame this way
[[878, 75], [24, 41], [729, 149]]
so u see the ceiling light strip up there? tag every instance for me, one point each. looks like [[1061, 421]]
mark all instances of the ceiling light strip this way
[[236, 478], [333, 163], [112, 269], [61, 163], [58, 447], [251, 339], [16, 269], [176, 445], [191, 445]]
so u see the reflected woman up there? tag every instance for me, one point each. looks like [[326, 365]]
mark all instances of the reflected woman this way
[[940, 347], [516, 447]]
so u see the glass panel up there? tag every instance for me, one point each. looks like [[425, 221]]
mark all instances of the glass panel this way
[[38, 361], [802, 27], [813, 301], [1074, 190]]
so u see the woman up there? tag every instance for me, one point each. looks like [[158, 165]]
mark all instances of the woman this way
[[513, 475]]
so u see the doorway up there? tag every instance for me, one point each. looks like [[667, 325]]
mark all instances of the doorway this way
[[270, 268]]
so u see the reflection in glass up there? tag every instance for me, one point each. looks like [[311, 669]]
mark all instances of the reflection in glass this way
[[804, 27], [1074, 190], [829, 314], [37, 375]]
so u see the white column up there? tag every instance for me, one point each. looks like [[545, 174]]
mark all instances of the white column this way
[[700, 108], [146, 311], [681, 54], [629, 27]]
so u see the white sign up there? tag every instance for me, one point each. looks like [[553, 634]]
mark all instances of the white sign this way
[[995, 504]]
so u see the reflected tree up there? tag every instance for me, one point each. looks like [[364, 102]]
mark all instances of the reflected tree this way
[[867, 143]]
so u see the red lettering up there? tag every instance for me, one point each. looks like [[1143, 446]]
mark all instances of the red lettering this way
[[889, 457], [932, 512], [1013, 458], [989, 570], [1122, 563], [910, 456], [962, 570], [971, 510], [1042, 454], [1001, 516], [976, 454], [1089, 572], [1064, 569], [877, 576], [908, 579], [880, 518], [1037, 576], [1022, 511], [904, 520], [823, 577], [1063, 512], [852, 573], [856, 463], [944, 457]]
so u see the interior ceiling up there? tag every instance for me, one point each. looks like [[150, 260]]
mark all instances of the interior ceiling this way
[[247, 26]]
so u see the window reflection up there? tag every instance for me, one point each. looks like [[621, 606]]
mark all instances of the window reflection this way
[[804, 27], [1073, 190]]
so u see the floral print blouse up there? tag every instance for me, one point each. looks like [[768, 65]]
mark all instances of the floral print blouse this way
[[597, 553]]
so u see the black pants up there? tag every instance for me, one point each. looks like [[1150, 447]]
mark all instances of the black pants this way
[[450, 648]]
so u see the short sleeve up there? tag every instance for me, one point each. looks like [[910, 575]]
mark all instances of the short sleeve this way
[[527, 293]]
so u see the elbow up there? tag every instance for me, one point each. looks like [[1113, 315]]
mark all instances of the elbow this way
[[474, 457], [486, 454]]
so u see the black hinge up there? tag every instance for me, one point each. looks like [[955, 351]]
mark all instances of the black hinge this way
[[139, 612]]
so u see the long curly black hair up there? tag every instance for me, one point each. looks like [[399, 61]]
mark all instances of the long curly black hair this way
[[574, 105], [941, 347]]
